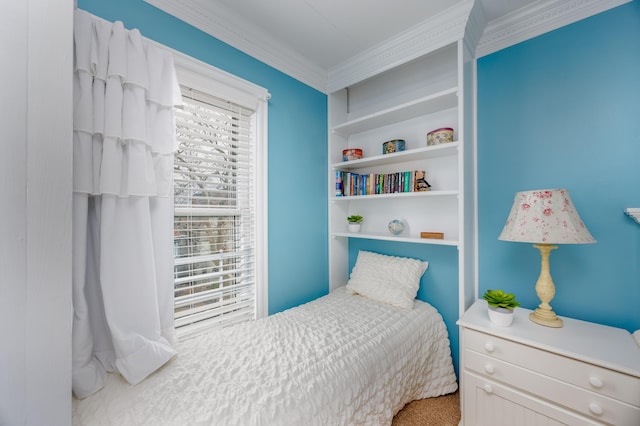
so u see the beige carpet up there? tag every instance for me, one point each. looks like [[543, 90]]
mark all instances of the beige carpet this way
[[441, 411]]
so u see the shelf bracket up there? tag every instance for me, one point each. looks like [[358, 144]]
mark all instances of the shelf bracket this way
[[634, 214]]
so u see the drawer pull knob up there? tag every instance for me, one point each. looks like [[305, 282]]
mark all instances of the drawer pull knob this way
[[595, 382], [489, 368], [489, 347], [487, 388], [595, 409]]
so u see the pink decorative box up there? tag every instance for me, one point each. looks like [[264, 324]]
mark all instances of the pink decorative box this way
[[438, 136]]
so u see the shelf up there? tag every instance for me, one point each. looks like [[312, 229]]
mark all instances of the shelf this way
[[399, 157], [399, 238], [440, 101], [396, 195], [634, 213], [404, 102]]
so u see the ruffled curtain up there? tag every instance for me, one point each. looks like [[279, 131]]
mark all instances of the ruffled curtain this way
[[124, 138]]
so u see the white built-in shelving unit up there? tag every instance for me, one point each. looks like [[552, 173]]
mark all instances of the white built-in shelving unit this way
[[405, 100]]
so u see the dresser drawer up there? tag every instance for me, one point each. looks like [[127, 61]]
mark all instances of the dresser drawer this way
[[587, 403], [487, 402], [561, 368]]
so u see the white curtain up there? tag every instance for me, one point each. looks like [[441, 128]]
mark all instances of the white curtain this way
[[124, 139]]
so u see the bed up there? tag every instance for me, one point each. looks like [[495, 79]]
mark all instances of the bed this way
[[343, 359]]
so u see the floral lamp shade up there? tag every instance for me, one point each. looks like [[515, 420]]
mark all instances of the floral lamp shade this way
[[545, 217]]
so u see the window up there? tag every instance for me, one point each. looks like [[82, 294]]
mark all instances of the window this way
[[220, 205]]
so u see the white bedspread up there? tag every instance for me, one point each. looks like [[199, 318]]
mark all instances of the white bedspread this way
[[339, 360]]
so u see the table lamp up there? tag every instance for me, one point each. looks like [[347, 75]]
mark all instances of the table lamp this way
[[545, 217]]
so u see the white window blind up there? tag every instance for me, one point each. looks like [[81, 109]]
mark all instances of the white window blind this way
[[214, 216]]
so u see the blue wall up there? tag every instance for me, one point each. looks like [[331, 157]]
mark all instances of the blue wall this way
[[563, 111], [298, 259]]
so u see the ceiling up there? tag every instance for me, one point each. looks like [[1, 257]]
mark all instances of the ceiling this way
[[311, 39], [328, 32]]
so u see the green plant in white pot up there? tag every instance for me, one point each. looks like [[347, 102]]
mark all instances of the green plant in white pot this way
[[501, 306], [354, 222]]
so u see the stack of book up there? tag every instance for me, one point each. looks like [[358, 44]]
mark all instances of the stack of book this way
[[351, 184]]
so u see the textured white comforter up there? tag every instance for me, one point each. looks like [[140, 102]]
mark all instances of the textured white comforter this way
[[339, 360]]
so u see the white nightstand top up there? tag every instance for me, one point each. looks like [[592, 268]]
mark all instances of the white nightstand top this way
[[609, 347]]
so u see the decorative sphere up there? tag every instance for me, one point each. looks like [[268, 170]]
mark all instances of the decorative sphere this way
[[396, 226]]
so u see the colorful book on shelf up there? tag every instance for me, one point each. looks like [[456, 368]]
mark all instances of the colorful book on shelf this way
[[354, 184]]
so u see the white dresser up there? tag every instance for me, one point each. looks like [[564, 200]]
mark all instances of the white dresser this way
[[528, 374]]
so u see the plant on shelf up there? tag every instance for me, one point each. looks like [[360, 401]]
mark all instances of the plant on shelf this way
[[501, 306], [500, 299], [354, 222], [355, 219]]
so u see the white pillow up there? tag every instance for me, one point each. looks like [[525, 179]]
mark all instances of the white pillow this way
[[388, 279]]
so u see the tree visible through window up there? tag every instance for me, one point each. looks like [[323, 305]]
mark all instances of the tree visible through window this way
[[214, 219]]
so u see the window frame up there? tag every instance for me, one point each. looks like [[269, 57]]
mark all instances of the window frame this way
[[211, 80]]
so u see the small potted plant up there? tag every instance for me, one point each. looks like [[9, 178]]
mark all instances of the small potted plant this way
[[354, 222], [501, 306]]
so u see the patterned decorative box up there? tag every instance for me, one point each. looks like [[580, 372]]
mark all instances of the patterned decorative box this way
[[439, 136], [395, 145]]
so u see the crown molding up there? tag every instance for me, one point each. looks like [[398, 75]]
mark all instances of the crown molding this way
[[463, 21], [444, 28], [536, 19], [633, 213], [475, 27], [246, 38]]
